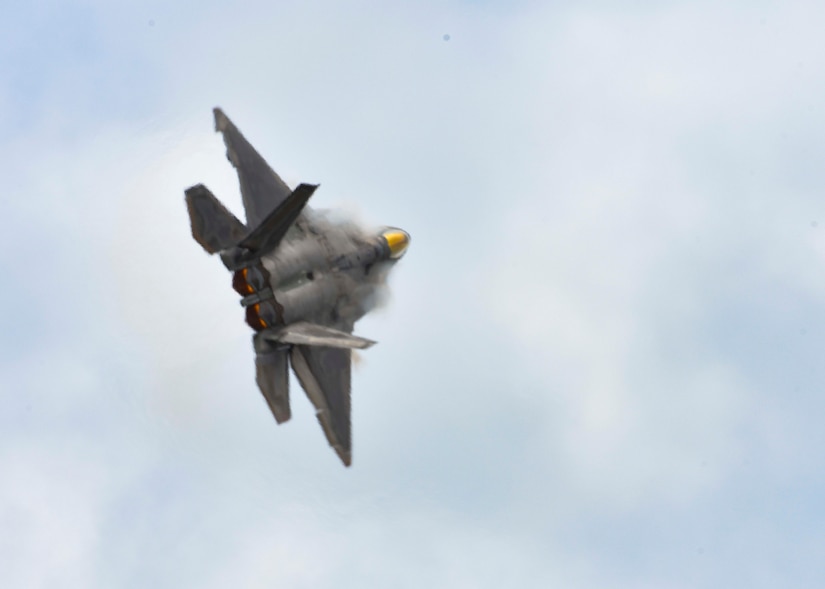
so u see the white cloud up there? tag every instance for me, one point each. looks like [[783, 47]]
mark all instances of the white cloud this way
[[614, 255], [590, 193], [50, 516]]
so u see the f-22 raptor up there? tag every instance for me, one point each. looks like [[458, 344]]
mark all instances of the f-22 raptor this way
[[304, 279]]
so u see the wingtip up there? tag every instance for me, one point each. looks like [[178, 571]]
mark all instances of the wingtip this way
[[221, 120], [346, 457]]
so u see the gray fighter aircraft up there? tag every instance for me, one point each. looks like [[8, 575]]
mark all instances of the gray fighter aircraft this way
[[305, 280]]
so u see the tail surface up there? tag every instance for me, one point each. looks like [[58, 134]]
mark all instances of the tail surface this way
[[213, 226], [272, 376]]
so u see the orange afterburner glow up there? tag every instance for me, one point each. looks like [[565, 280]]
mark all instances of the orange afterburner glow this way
[[240, 284]]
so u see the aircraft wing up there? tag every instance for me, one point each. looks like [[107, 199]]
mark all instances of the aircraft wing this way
[[325, 375], [261, 188]]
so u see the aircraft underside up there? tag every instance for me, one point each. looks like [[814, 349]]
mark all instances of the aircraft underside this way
[[304, 281]]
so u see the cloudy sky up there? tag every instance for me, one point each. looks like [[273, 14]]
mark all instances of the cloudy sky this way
[[601, 365]]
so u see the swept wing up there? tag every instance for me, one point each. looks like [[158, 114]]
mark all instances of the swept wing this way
[[261, 188]]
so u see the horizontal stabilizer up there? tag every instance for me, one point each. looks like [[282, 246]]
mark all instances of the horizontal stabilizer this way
[[213, 226], [272, 376], [311, 334]]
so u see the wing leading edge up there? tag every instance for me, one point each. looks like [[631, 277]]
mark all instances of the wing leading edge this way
[[325, 375], [321, 358], [262, 189]]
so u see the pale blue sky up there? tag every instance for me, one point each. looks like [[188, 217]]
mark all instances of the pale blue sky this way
[[601, 363]]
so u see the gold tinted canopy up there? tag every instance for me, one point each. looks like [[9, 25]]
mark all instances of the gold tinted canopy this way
[[398, 240]]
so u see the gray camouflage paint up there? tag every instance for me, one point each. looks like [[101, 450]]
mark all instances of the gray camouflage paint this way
[[305, 279]]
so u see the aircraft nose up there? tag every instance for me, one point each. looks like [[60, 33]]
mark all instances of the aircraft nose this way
[[398, 240]]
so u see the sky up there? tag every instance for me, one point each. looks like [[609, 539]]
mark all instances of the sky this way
[[600, 366]]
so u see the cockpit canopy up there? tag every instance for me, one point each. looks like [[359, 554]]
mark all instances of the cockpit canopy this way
[[398, 241]]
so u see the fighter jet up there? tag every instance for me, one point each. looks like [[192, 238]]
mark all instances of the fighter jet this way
[[305, 278]]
